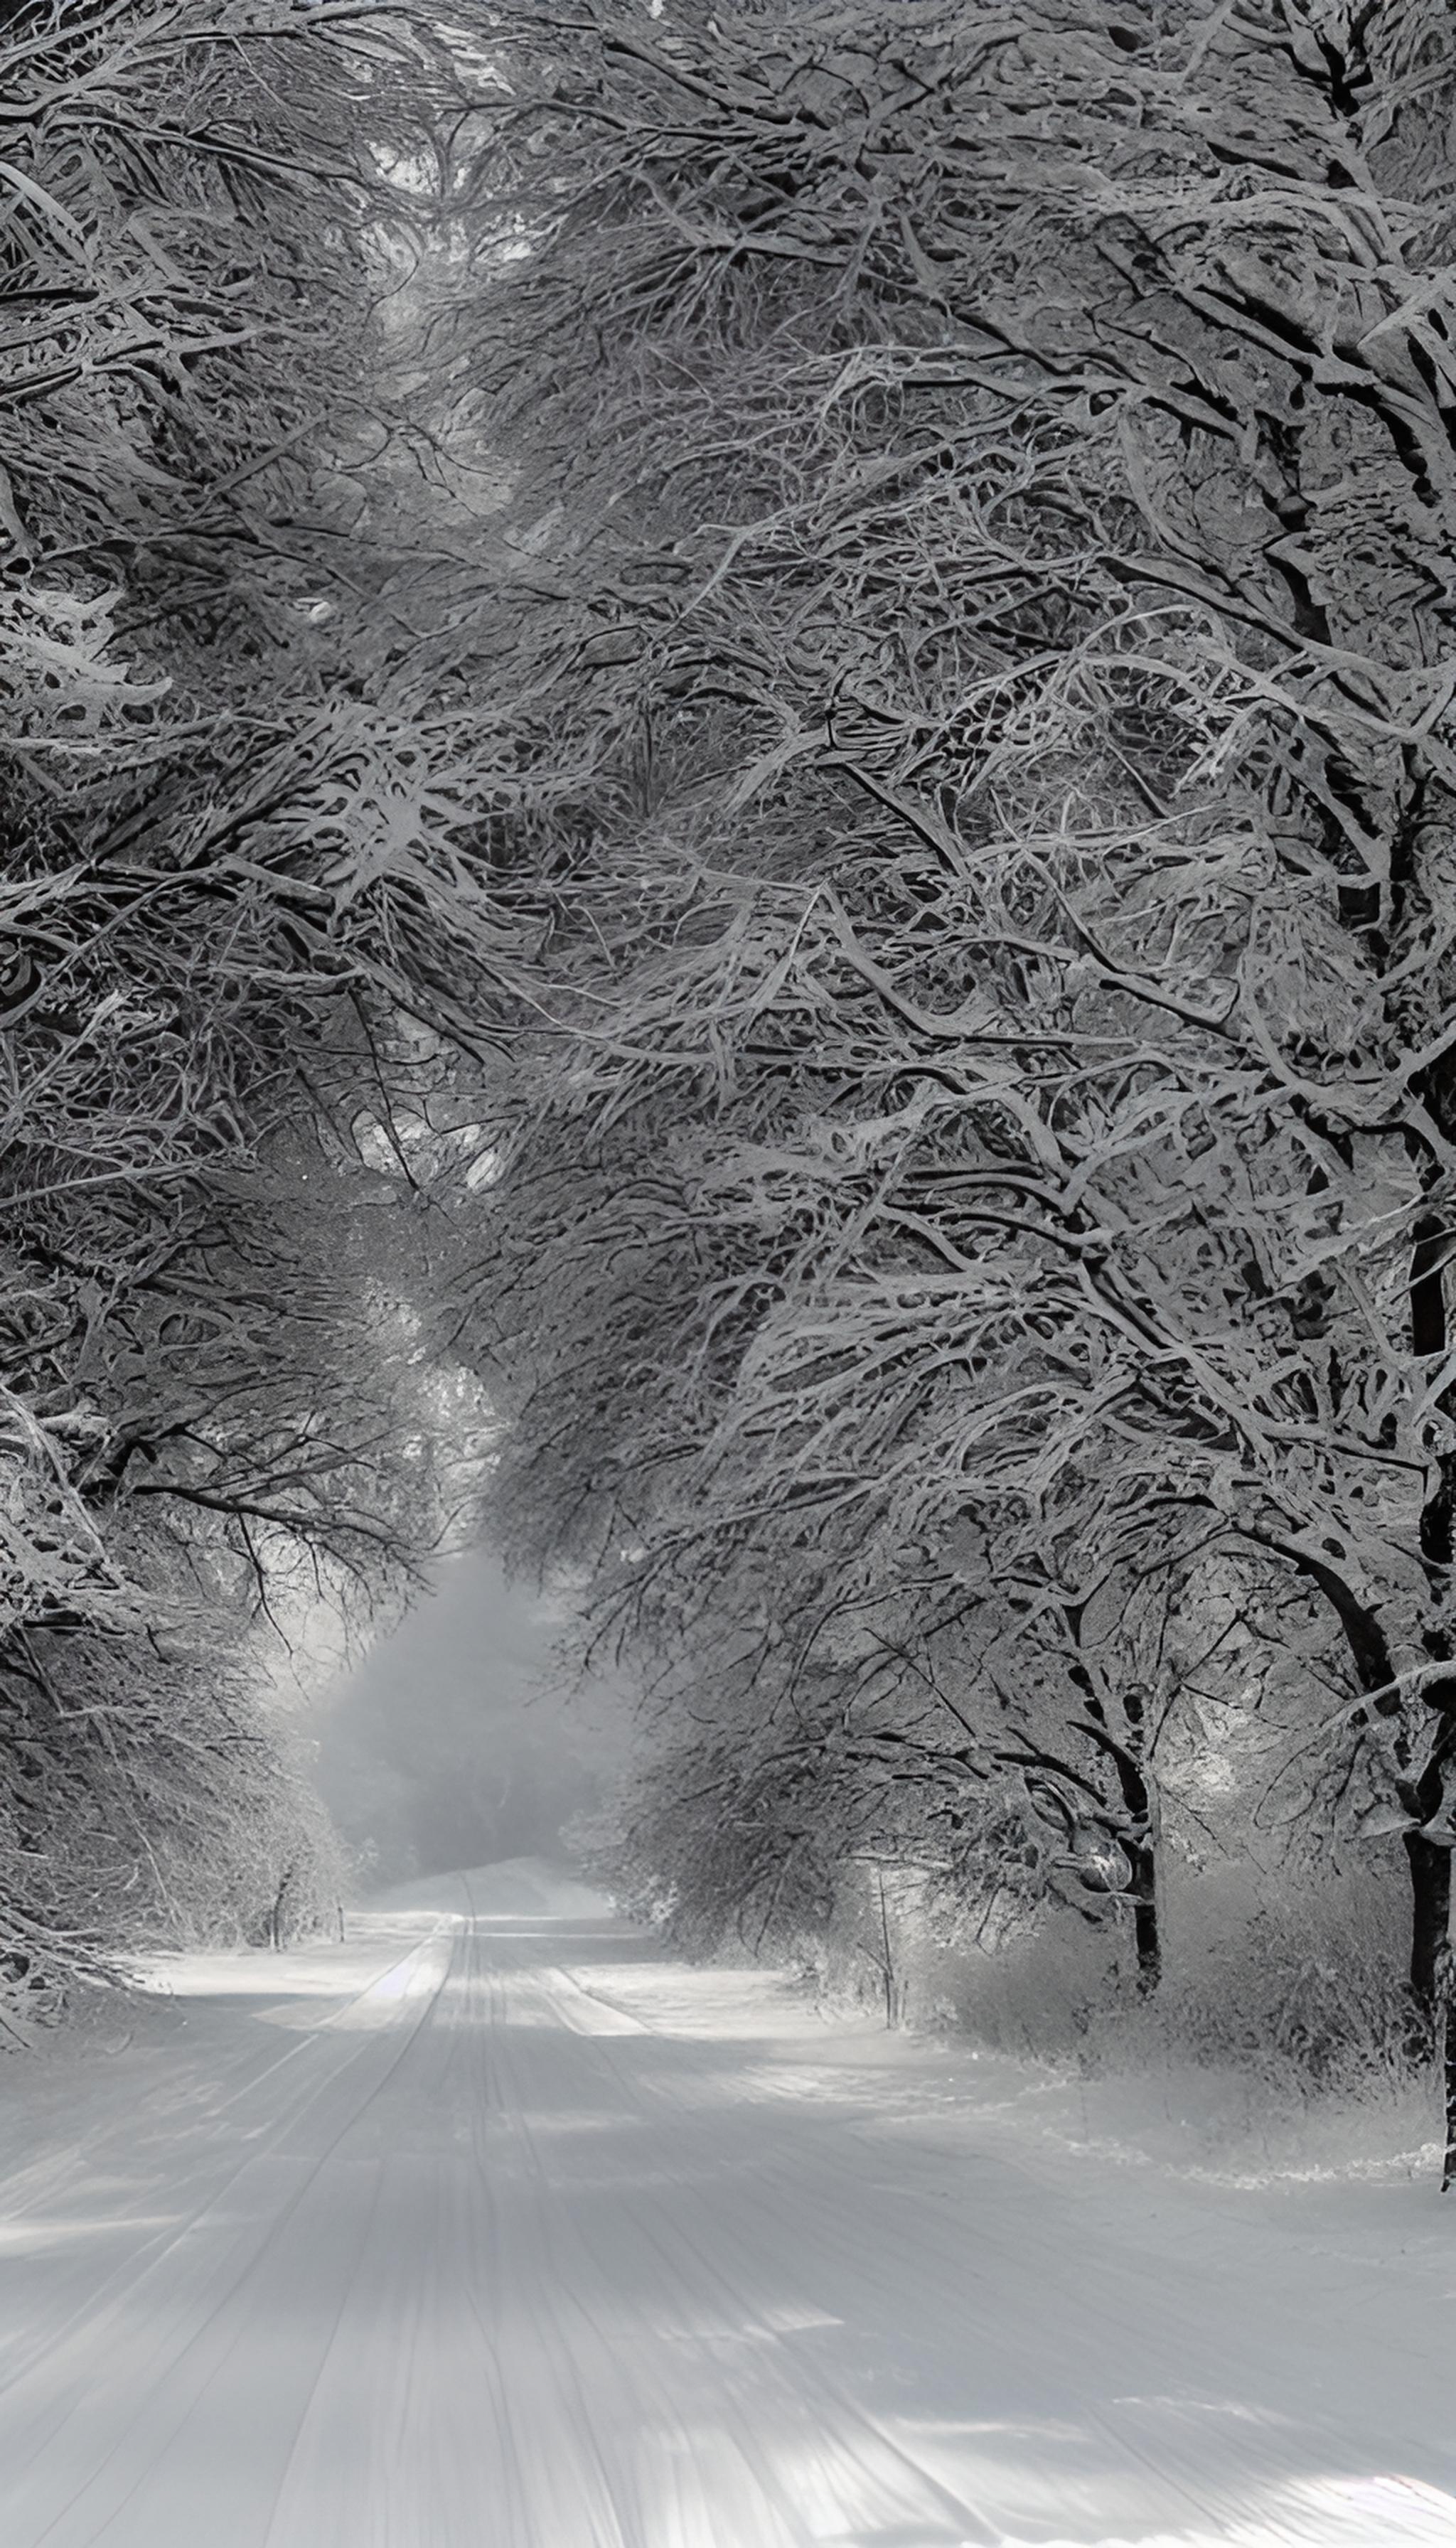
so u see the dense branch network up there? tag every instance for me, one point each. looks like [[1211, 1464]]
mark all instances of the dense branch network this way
[[984, 770]]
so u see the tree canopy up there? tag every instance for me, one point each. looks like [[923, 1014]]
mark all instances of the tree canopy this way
[[235, 923], [983, 767], [822, 634]]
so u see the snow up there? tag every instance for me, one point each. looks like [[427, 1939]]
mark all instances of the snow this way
[[496, 2227]]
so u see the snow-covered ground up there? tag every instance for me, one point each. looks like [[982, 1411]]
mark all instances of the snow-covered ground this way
[[495, 2228]]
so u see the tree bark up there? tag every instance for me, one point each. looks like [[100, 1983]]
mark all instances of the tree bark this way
[[890, 1991], [1147, 1928], [1446, 1995], [275, 1916], [1139, 1845], [1430, 1864], [1431, 1913], [1142, 1853]]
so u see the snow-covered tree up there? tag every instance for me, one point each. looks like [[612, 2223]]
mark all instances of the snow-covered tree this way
[[237, 901], [977, 742]]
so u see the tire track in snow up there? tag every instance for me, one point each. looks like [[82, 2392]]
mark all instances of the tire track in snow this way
[[525, 2271], [33, 2194], [120, 2428]]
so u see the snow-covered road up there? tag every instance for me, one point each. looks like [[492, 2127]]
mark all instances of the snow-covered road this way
[[496, 2229]]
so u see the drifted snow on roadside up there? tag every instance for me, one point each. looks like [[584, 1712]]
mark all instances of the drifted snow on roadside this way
[[497, 2228]]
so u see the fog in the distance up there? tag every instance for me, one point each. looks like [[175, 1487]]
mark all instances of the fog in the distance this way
[[454, 1743]]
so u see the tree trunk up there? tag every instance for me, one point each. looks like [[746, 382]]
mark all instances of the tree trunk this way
[[890, 1994], [1430, 1866], [1446, 1994], [275, 1916], [1146, 1932], [1138, 1844], [1431, 1913], [1138, 1798], [1139, 1847]]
